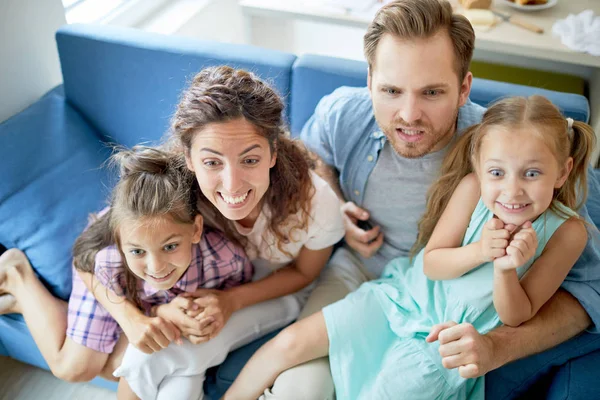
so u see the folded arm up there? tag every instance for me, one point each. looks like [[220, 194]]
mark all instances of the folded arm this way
[[517, 301], [444, 256], [149, 334]]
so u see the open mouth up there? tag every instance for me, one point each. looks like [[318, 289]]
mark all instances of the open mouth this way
[[235, 201], [410, 135]]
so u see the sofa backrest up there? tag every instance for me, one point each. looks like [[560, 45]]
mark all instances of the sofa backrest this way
[[127, 83], [315, 76], [52, 178]]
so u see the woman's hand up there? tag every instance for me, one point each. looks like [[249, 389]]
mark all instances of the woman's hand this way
[[215, 309], [182, 312], [150, 334]]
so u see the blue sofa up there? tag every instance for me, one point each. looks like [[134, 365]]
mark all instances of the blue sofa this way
[[121, 86]]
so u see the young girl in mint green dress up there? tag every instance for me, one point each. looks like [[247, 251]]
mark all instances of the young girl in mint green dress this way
[[498, 238]]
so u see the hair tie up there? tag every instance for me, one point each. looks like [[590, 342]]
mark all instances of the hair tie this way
[[569, 125]]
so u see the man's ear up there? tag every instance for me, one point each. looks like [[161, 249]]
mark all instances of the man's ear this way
[[198, 227], [566, 170], [465, 89], [369, 79]]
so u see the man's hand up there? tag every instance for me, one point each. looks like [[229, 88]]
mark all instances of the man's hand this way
[[181, 311], [366, 243], [494, 239], [462, 347], [521, 249], [217, 307], [150, 334]]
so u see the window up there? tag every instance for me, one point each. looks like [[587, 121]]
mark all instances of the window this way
[[114, 12], [87, 11]]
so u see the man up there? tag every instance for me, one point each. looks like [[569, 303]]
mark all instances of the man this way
[[382, 147]]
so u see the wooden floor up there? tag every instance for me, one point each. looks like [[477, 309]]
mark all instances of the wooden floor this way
[[20, 381]]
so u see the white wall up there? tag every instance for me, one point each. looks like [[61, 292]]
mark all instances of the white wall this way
[[29, 65], [301, 36], [220, 20]]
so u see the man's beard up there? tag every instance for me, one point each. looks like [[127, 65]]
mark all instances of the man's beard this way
[[422, 147]]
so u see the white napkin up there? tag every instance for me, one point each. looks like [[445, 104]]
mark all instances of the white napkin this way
[[580, 32]]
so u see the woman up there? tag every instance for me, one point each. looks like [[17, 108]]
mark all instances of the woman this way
[[258, 186]]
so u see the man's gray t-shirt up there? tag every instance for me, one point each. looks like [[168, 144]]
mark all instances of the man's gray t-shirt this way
[[395, 198]]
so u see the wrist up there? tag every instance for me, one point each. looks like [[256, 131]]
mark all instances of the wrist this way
[[496, 349], [504, 273], [234, 299], [133, 313], [480, 257]]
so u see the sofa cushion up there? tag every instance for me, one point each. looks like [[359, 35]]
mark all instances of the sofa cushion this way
[[50, 181], [528, 377], [128, 82], [577, 379]]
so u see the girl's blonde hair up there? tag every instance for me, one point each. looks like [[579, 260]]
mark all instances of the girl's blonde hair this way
[[545, 120], [152, 183]]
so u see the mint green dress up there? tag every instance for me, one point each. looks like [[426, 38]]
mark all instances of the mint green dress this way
[[377, 334]]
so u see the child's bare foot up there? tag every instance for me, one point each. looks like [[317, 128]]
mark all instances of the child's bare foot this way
[[13, 264], [8, 304]]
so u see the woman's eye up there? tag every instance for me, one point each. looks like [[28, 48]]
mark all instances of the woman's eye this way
[[251, 161], [211, 163], [171, 247], [136, 252], [496, 172], [532, 174]]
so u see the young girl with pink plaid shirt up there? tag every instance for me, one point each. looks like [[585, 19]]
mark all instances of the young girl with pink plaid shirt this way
[[146, 248]]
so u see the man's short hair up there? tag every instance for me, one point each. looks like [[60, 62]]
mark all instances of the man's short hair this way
[[412, 19]]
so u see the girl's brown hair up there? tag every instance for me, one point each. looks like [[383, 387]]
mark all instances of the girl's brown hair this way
[[545, 120], [152, 183], [222, 94]]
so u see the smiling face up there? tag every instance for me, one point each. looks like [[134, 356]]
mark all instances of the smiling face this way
[[159, 249], [518, 174], [416, 92], [231, 161]]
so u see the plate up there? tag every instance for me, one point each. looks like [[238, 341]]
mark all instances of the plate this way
[[532, 7]]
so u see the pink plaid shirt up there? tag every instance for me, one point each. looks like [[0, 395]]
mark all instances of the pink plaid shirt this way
[[216, 263]]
